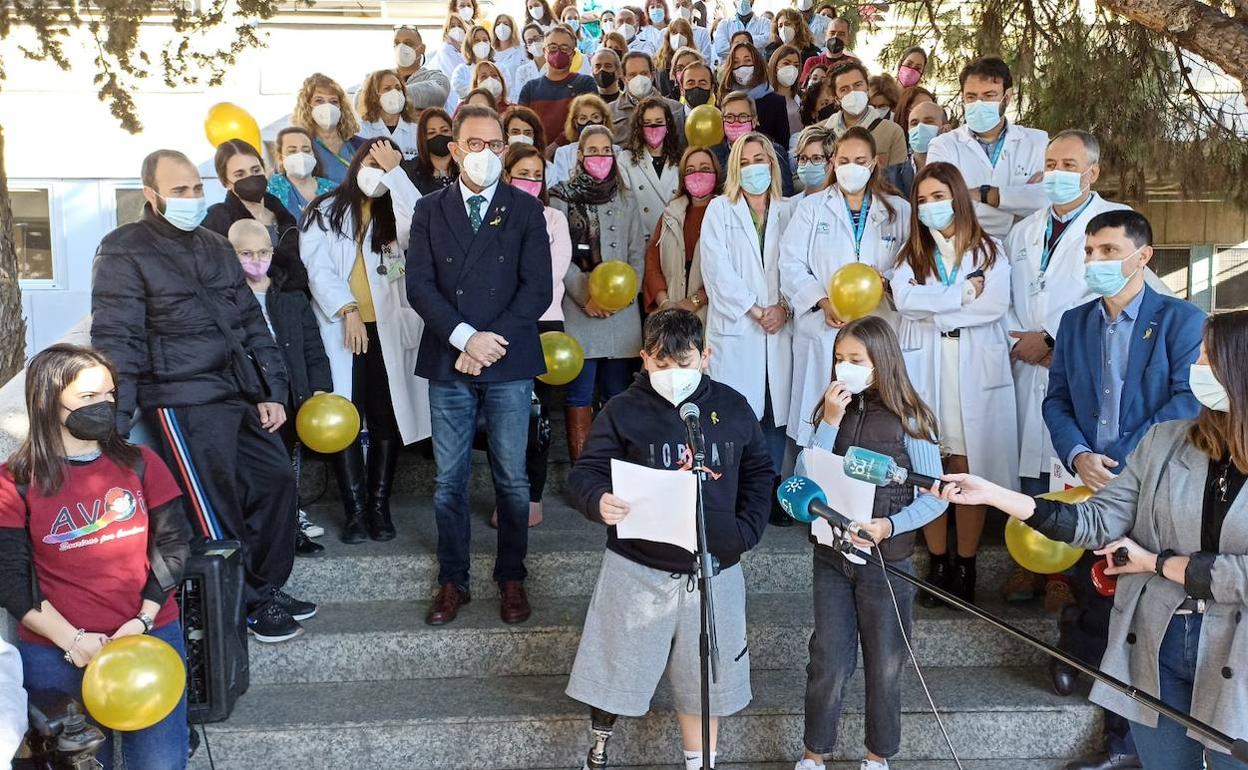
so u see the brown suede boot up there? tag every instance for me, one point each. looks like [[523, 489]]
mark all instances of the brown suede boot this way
[[578, 420]]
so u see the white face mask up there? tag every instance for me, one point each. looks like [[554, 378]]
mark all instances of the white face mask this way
[[520, 139], [852, 177], [534, 49], [640, 86], [743, 75], [805, 5], [854, 102], [684, 13], [481, 50], [299, 164], [457, 34], [393, 102], [787, 75], [608, 26], [404, 55], [369, 180], [787, 34], [326, 115], [675, 384], [465, 13], [677, 40], [1206, 388], [492, 85], [537, 12], [854, 377], [482, 167], [503, 31], [628, 31]]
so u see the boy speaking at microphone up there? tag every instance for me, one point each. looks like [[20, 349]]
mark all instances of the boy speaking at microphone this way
[[644, 619]]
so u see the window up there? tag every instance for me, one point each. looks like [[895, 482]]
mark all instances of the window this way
[[32, 232], [129, 203]]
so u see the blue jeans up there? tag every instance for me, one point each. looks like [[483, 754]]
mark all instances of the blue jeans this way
[[1166, 746], [611, 375], [163, 746], [453, 407], [773, 434]]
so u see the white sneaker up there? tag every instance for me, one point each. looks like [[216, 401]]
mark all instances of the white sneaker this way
[[308, 528], [808, 764], [868, 764]]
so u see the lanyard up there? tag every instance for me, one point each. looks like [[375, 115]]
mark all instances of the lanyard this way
[[346, 162], [858, 227], [947, 280], [1046, 251], [994, 155]]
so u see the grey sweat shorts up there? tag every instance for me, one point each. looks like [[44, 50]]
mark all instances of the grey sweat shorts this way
[[642, 622]]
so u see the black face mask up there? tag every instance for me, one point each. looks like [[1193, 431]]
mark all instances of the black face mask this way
[[440, 145], [696, 97], [93, 422], [828, 111], [251, 188], [836, 46], [604, 78], [580, 127]]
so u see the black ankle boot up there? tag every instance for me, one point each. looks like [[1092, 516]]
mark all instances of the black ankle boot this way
[[349, 470], [963, 583], [383, 457], [939, 575]]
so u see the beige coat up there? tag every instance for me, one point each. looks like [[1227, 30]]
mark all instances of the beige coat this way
[[672, 255]]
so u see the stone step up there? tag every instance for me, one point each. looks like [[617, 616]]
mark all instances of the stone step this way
[[389, 640], [926, 764], [563, 560], [512, 723]]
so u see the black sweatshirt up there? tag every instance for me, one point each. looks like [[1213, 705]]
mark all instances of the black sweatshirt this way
[[642, 427]]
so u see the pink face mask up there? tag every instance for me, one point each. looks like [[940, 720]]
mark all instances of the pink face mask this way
[[700, 183], [908, 76], [530, 186], [256, 269], [599, 166], [735, 131], [654, 135]]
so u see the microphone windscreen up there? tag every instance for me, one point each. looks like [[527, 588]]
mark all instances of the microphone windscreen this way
[[689, 409], [796, 494], [865, 465]]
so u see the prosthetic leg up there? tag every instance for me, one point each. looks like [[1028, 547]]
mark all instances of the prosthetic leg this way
[[602, 724]]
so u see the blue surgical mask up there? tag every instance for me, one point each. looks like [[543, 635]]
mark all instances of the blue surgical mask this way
[[574, 24], [657, 15], [744, 7], [922, 135], [756, 179], [812, 174], [1063, 186], [1106, 278], [982, 116], [937, 214], [184, 213]]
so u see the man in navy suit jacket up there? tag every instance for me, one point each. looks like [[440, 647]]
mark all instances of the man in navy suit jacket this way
[[1120, 365], [478, 273]]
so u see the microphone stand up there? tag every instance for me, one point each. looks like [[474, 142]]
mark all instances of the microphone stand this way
[[1238, 747], [708, 644]]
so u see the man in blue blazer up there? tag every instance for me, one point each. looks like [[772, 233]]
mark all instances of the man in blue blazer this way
[[1120, 364], [478, 273]]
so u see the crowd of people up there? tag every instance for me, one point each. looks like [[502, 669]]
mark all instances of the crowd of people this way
[[406, 247]]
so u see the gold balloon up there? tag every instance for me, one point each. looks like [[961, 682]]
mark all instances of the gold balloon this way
[[133, 683], [704, 126], [1073, 496], [613, 285], [327, 423], [227, 121], [1035, 552], [564, 358], [855, 291]]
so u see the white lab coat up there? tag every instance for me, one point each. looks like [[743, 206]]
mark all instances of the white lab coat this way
[[1032, 311], [702, 42], [12, 703], [404, 134], [651, 192], [446, 58], [647, 40], [329, 260], [988, 406], [759, 29], [1022, 157], [737, 277], [517, 69], [819, 241]]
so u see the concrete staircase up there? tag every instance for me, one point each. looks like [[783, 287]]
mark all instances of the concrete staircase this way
[[371, 686]]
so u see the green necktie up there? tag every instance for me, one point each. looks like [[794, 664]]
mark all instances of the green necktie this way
[[474, 212]]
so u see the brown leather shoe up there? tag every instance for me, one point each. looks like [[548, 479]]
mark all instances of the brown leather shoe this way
[[446, 604], [514, 607]]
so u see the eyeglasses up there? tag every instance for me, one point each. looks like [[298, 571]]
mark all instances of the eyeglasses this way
[[248, 255], [812, 158], [744, 117], [553, 48], [477, 145]]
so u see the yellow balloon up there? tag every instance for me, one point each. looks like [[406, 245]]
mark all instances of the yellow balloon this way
[[613, 285], [1073, 496], [855, 291], [704, 127], [133, 683], [227, 121], [327, 423], [1035, 552], [564, 358]]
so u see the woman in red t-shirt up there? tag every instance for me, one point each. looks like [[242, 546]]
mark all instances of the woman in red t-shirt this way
[[93, 539]]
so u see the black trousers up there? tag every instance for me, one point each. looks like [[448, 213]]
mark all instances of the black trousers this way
[[538, 452], [370, 389], [239, 485]]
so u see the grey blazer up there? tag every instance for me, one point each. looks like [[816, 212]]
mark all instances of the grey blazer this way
[[1157, 501]]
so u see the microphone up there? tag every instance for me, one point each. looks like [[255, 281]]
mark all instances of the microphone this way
[[882, 471], [803, 499], [691, 414]]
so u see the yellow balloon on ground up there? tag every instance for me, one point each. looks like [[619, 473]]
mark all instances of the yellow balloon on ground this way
[[613, 285], [227, 121], [133, 683], [327, 423], [564, 358], [704, 126], [855, 291], [1035, 552], [1073, 496]]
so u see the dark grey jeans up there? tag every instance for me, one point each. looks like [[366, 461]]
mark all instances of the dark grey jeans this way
[[852, 606]]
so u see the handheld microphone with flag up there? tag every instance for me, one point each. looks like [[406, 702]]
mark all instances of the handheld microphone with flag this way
[[805, 501], [882, 471]]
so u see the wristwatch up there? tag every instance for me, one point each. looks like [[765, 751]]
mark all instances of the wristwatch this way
[[1161, 560], [1048, 340], [984, 189], [146, 620]]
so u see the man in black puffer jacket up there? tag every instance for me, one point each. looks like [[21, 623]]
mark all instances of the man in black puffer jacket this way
[[164, 333]]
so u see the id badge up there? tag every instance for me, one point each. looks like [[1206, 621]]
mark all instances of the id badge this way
[[396, 270], [1038, 286]]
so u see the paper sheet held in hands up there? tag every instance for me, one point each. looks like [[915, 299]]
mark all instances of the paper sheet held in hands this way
[[852, 498], [661, 504]]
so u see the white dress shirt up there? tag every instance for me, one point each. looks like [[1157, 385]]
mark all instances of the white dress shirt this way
[[464, 332]]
